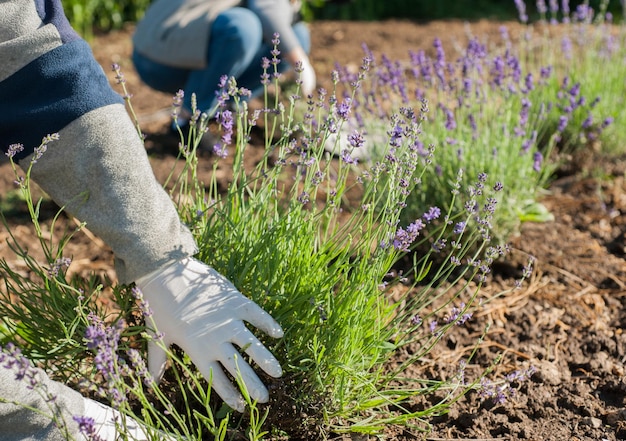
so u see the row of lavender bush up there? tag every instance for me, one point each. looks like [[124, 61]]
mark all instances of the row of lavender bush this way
[[437, 159]]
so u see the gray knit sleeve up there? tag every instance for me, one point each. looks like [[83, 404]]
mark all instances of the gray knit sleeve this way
[[99, 171], [18, 423]]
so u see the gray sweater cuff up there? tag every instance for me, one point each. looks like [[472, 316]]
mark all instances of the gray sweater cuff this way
[[99, 171]]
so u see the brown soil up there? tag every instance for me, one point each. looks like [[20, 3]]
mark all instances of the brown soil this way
[[567, 322]]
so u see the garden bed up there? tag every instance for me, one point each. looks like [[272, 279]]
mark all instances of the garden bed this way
[[566, 322]]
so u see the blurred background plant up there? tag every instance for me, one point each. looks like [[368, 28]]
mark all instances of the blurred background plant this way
[[89, 16], [518, 108]]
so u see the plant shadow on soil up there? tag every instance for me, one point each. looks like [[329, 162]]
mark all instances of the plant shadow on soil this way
[[567, 321]]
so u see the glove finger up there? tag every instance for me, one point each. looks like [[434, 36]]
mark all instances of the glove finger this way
[[234, 363], [257, 352], [157, 358], [259, 318], [222, 385]]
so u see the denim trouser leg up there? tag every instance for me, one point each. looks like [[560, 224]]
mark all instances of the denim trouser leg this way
[[158, 76], [235, 49], [236, 36]]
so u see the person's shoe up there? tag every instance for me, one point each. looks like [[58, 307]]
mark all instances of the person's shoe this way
[[338, 145]]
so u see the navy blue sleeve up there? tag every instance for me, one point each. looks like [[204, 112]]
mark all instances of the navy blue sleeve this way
[[52, 90], [51, 12]]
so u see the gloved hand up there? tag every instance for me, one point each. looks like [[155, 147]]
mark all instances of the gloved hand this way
[[307, 76], [203, 313], [107, 421]]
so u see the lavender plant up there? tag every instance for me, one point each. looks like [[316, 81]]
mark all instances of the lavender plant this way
[[315, 239], [573, 43], [44, 295], [494, 112]]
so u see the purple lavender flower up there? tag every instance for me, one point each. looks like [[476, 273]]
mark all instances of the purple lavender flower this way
[[11, 358], [432, 326], [439, 245], [565, 8], [347, 157], [528, 268], [343, 110], [38, 153], [566, 47], [87, 427], [265, 77], [144, 306], [529, 142], [521, 9], [395, 135], [177, 103], [416, 320], [275, 52], [57, 265], [584, 13], [432, 214], [440, 62], [356, 139], [459, 227], [529, 82], [225, 118], [607, 122], [317, 178], [554, 7], [523, 115], [450, 123], [457, 316], [405, 238], [119, 76], [104, 340], [220, 150], [545, 72], [304, 197], [498, 393], [14, 149], [497, 72], [521, 375], [541, 7], [140, 368], [563, 120]]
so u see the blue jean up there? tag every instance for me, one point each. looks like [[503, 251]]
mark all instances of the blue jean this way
[[236, 48]]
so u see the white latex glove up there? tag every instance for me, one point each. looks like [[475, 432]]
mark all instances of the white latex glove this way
[[309, 80], [203, 313], [107, 421]]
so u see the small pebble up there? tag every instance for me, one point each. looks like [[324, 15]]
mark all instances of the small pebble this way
[[594, 422]]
